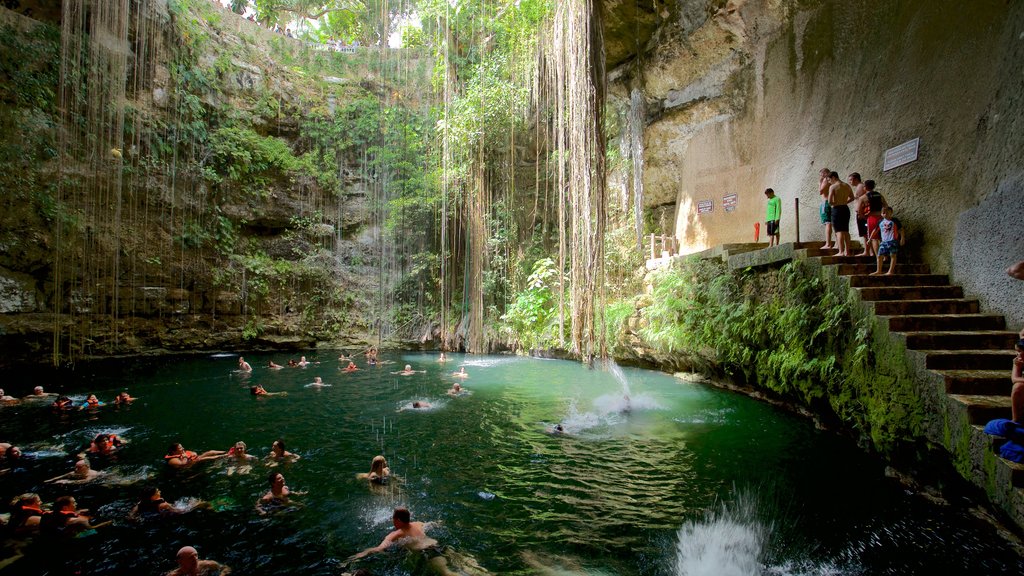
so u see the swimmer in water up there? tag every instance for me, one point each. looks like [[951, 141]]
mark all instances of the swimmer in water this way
[[317, 383], [91, 402], [407, 372], [243, 366], [279, 454], [379, 471], [62, 403], [442, 358], [105, 444], [5, 399], [421, 404], [124, 398], [272, 366], [461, 373], [351, 367], [189, 564], [26, 512], [80, 475], [66, 519], [38, 394], [240, 460], [302, 362], [278, 495], [178, 457], [261, 391], [151, 503], [455, 390], [412, 536], [558, 429]]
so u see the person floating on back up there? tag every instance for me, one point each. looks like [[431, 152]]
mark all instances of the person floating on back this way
[[772, 216]]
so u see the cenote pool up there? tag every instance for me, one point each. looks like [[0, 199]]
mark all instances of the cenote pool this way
[[689, 481]]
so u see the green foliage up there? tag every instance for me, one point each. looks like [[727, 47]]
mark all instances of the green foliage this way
[[791, 332], [243, 156], [528, 320]]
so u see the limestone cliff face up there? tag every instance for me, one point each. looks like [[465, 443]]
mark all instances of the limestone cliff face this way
[[218, 223], [749, 94]]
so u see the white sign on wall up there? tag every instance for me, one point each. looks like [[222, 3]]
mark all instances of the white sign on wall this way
[[705, 206], [903, 154]]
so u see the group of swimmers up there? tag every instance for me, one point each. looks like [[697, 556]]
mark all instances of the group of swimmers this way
[[29, 515]]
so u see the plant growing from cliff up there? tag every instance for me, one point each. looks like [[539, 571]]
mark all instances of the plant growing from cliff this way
[[243, 157], [528, 320]]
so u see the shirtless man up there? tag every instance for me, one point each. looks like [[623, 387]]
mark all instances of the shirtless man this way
[[38, 394], [826, 211], [840, 194], [859, 203], [279, 494], [82, 473], [243, 366], [189, 564], [5, 399], [413, 537]]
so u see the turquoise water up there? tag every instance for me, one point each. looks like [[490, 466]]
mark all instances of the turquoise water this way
[[687, 480]]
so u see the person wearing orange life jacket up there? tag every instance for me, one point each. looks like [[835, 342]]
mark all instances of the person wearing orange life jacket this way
[[178, 457]]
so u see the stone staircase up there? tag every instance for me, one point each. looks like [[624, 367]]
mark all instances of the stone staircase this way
[[965, 353], [962, 356]]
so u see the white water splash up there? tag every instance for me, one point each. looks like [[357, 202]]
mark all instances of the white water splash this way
[[729, 541], [615, 371]]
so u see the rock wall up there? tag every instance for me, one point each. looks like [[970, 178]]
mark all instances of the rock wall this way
[[750, 94]]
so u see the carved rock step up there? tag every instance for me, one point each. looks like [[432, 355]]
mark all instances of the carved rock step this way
[[829, 260], [816, 251], [856, 269], [980, 408], [946, 322], [911, 293], [982, 382], [974, 340], [898, 280], [939, 306], [970, 360], [1014, 470]]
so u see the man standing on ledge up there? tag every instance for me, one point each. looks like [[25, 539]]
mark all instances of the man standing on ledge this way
[[826, 211], [771, 219], [840, 194]]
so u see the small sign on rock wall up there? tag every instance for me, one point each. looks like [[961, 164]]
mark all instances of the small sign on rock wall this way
[[729, 202], [903, 154], [705, 206]]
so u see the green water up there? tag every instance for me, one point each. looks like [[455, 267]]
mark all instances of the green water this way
[[689, 480]]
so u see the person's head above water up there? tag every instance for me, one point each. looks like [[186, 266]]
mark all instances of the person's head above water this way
[[401, 517], [38, 390], [408, 367], [378, 465], [188, 559]]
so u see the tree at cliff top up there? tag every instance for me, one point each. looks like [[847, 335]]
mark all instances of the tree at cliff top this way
[[371, 22]]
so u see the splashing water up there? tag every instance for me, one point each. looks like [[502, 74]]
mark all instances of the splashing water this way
[[615, 371], [576, 421], [726, 542]]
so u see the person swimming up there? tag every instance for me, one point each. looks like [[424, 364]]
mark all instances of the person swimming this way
[[258, 390], [412, 536], [278, 496], [278, 452], [455, 390], [379, 471], [317, 383], [189, 564], [91, 402], [442, 358], [461, 373], [178, 457], [421, 404], [302, 362], [38, 394], [351, 367], [273, 366], [243, 366], [82, 473], [124, 398], [5, 399], [408, 371], [26, 512], [105, 444]]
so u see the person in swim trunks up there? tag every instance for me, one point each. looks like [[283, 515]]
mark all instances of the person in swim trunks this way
[[413, 537], [840, 194], [825, 211]]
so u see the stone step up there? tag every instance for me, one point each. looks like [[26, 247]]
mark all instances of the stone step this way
[[868, 281], [930, 306], [980, 408], [830, 260], [946, 322], [855, 269], [911, 293], [1014, 470], [973, 340], [821, 252], [981, 382], [969, 360]]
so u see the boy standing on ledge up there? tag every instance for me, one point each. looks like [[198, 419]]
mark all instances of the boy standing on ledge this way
[[771, 219]]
